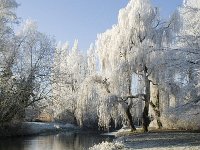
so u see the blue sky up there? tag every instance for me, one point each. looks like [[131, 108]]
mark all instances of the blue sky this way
[[68, 20]]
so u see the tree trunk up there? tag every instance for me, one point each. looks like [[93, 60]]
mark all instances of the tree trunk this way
[[157, 113], [130, 119], [145, 121], [128, 111], [145, 117], [154, 103]]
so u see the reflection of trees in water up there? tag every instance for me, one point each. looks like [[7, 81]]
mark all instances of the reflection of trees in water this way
[[69, 141], [10, 144], [81, 140]]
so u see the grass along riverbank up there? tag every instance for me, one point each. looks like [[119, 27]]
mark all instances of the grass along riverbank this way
[[34, 128], [154, 139]]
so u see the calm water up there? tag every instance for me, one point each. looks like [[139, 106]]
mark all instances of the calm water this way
[[61, 141]]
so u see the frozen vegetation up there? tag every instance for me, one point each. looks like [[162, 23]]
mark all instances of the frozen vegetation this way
[[148, 68], [108, 146], [183, 117], [160, 140], [143, 71], [35, 128], [39, 127], [119, 146]]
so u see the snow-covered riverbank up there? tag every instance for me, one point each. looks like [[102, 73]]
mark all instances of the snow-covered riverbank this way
[[121, 146], [153, 141], [33, 128]]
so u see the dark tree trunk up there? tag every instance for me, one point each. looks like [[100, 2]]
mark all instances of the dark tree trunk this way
[[146, 120], [157, 113], [130, 119], [128, 111], [155, 105], [145, 117]]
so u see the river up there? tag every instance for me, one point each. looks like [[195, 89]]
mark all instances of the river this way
[[60, 141]]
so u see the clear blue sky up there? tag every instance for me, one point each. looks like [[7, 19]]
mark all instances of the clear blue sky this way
[[79, 19]]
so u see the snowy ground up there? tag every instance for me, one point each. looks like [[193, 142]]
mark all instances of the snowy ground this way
[[165, 140], [40, 127], [33, 128], [153, 141]]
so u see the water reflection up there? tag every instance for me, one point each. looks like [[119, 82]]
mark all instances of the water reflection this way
[[61, 141]]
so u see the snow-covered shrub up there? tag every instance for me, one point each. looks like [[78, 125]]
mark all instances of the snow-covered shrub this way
[[108, 146], [183, 117]]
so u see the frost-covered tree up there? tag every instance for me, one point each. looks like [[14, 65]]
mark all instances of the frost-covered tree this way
[[145, 64], [33, 64], [91, 60], [59, 75], [136, 45], [189, 44], [7, 19], [181, 58], [124, 49], [25, 70], [142, 58], [88, 94], [69, 71], [7, 56], [183, 63]]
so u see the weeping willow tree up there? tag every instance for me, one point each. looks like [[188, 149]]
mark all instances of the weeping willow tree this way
[[127, 48]]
